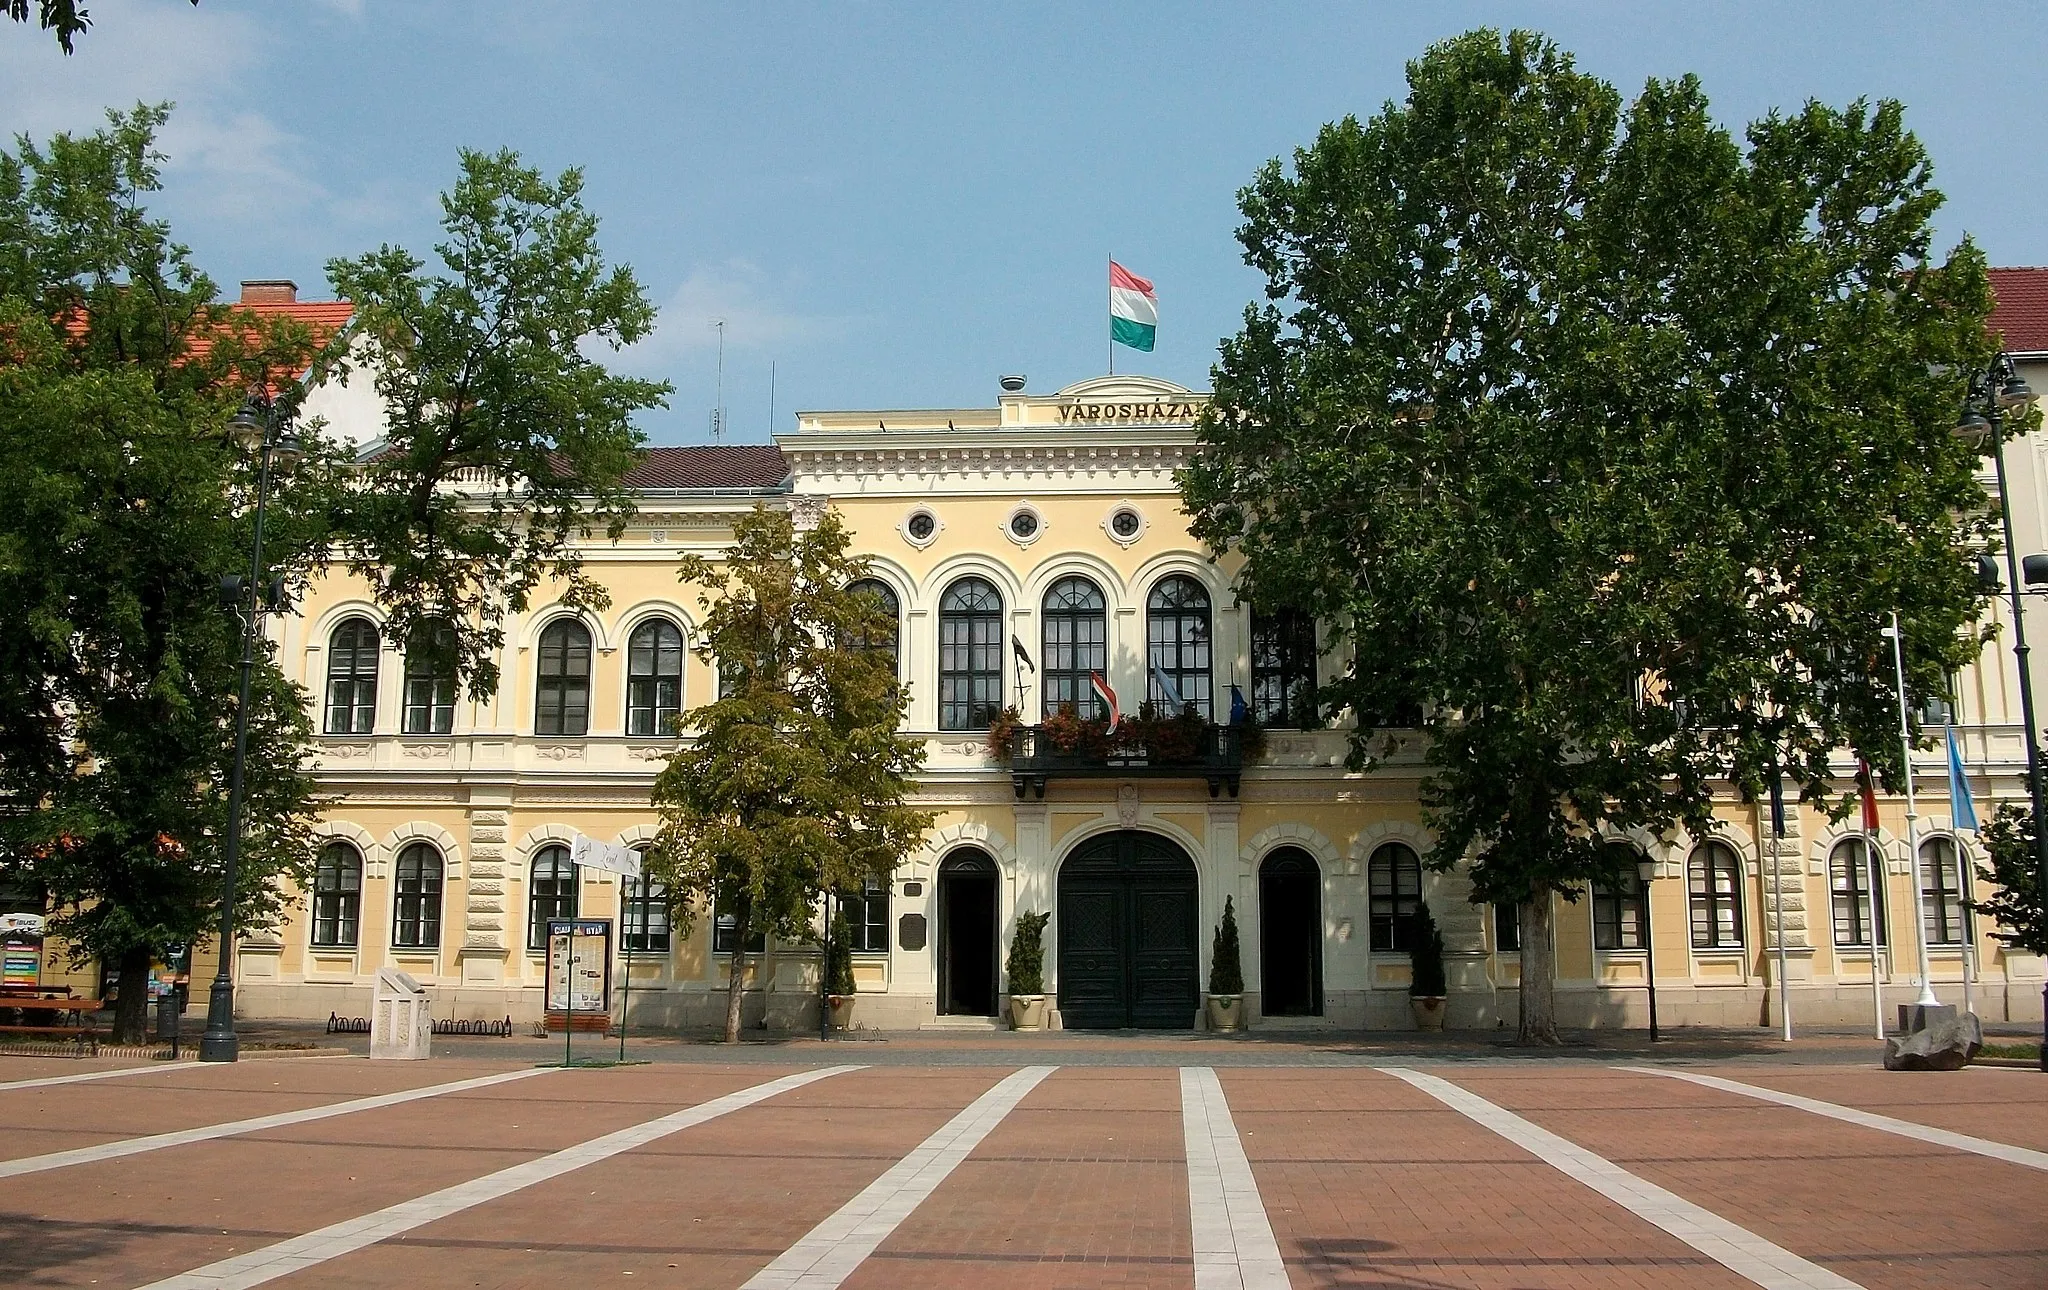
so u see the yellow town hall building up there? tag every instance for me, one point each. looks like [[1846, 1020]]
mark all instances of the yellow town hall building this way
[[1025, 545]]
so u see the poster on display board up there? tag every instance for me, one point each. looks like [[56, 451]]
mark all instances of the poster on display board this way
[[580, 965], [21, 951]]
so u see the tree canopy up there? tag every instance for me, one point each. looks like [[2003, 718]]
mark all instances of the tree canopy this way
[[504, 439], [122, 502], [65, 19], [797, 778], [1609, 442]]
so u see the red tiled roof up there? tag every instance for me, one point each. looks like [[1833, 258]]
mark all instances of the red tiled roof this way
[[322, 317], [710, 466], [2021, 311]]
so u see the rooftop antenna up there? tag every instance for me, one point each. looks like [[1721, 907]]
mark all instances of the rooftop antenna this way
[[718, 408]]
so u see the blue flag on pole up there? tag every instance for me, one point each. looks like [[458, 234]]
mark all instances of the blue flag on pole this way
[[1239, 710], [1167, 688], [1962, 811]]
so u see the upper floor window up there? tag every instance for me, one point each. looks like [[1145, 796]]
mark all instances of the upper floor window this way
[[1178, 644], [1941, 891], [1394, 890], [1713, 881], [337, 896], [885, 640], [430, 680], [416, 898], [646, 915], [1850, 893], [1619, 921], [867, 917], [352, 678], [970, 655], [562, 690], [654, 678], [1284, 668], [1076, 644], [725, 933], [550, 893]]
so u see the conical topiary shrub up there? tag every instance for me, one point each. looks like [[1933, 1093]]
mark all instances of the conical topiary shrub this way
[[1226, 974], [839, 957], [1026, 966]]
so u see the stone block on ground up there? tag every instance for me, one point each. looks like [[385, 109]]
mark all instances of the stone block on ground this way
[[1946, 1043]]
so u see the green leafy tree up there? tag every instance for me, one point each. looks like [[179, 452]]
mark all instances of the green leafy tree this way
[[2016, 904], [796, 780], [1426, 957], [839, 967], [121, 504], [1607, 442], [505, 441]]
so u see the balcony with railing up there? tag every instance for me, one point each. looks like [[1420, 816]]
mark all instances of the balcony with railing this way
[[1176, 749]]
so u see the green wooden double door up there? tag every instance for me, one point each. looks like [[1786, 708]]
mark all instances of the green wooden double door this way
[[1128, 909]]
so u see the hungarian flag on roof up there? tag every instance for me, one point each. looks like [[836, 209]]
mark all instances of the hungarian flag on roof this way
[[1133, 309]]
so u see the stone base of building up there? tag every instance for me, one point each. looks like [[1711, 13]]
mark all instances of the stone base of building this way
[[1832, 1006]]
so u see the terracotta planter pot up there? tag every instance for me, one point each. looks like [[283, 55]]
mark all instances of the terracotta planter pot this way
[[1027, 1012], [1226, 1011], [842, 1011], [1429, 1011]]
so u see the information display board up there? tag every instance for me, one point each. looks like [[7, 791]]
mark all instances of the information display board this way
[[580, 965], [21, 951]]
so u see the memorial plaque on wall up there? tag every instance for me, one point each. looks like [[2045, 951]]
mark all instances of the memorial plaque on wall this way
[[910, 931]]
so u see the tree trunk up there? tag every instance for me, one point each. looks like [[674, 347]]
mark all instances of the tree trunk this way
[[736, 986], [131, 1011], [1539, 972]]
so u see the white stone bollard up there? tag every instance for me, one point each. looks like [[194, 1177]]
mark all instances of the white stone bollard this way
[[400, 1028]]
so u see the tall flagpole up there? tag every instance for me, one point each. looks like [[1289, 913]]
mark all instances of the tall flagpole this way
[[1927, 995], [1109, 322]]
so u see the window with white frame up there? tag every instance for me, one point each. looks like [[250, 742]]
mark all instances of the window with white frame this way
[[337, 896], [550, 893], [1941, 891], [416, 897], [654, 678], [1713, 880], [645, 914], [352, 651], [1851, 889], [1394, 896], [1619, 921]]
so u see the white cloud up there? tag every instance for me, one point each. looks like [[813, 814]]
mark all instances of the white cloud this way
[[754, 309]]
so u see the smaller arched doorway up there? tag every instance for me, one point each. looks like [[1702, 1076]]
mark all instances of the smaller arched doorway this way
[[967, 935], [1290, 935]]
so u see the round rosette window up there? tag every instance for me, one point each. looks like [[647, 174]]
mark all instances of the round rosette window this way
[[920, 528], [1024, 525], [1125, 524]]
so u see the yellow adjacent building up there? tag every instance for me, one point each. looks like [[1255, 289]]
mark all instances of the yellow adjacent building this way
[[1026, 546]]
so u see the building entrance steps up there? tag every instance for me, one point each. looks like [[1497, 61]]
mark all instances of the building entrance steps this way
[[964, 1023]]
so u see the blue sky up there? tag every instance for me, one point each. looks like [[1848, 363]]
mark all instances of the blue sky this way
[[894, 204]]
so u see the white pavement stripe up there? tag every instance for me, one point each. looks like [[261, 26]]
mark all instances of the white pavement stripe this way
[[178, 1138], [1234, 1245], [829, 1252], [115, 1074], [1738, 1249], [314, 1248], [1850, 1115]]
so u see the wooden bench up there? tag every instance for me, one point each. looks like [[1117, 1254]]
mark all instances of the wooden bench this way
[[83, 1031]]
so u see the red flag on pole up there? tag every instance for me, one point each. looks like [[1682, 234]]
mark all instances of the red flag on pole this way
[[1863, 778]]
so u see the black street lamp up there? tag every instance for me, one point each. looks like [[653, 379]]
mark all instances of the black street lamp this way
[[265, 429], [1646, 869], [1991, 395]]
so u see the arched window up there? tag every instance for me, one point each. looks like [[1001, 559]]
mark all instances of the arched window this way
[[646, 914], [1941, 891], [654, 678], [416, 898], [550, 893], [1394, 886], [1177, 644], [970, 655], [1284, 668], [1076, 644], [1618, 916], [430, 680], [1850, 894], [1713, 882], [337, 896], [884, 641], [562, 690], [352, 678]]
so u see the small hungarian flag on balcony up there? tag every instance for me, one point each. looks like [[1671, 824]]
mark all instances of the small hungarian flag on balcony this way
[[1108, 697], [1133, 309]]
